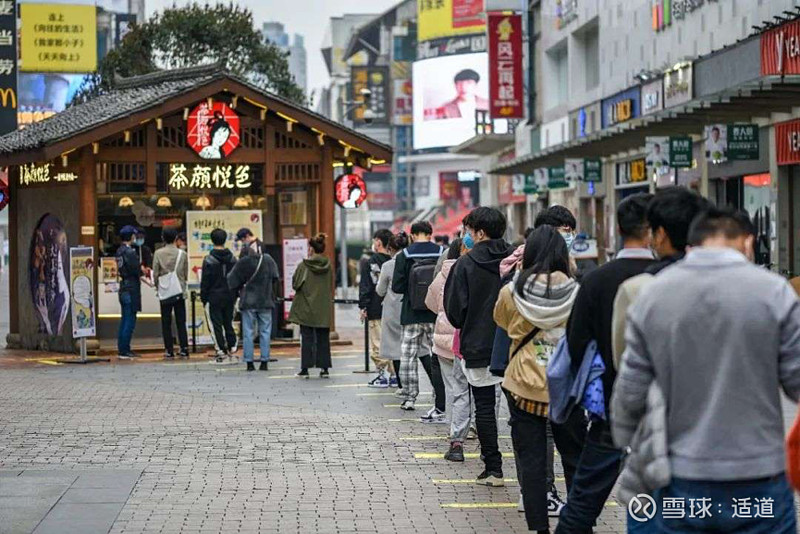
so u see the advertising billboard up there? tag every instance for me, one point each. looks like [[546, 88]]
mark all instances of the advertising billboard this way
[[446, 18], [506, 85], [375, 80], [448, 91], [42, 95], [58, 38], [8, 67]]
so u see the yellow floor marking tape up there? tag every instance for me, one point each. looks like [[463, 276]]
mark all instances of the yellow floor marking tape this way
[[388, 394], [435, 438], [313, 375], [465, 480], [480, 505], [403, 420], [347, 386], [418, 405], [350, 357], [50, 362], [440, 455]]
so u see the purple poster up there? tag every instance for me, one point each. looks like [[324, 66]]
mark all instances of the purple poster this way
[[48, 279]]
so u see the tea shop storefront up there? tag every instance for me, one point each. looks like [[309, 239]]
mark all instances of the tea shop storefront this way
[[195, 149]]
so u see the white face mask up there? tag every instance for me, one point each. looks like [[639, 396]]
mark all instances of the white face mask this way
[[569, 237]]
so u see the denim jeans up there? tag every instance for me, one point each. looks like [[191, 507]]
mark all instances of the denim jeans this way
[[127, 323], [252, 319], [744, 499]]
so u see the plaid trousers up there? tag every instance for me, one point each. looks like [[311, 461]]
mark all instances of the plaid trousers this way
[[417, 341]]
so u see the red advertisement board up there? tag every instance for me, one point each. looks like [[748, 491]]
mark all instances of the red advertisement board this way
[[213, 131], [780, 50], [787, 142], [467, 13], [506, 93], [350, 191]]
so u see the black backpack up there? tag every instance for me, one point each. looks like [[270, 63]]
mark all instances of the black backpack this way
[[420, 278]]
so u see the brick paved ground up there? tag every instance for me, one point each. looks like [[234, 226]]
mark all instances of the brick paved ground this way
[[220, 450]]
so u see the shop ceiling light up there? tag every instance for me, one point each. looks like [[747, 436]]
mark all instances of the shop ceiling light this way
[[164, 202], [241, 202], [203, 202], [125, 202]]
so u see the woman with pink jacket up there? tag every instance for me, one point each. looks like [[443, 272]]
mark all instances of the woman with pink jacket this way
[[455, 382]]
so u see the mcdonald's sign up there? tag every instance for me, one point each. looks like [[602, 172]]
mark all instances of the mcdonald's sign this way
[[8, 98]]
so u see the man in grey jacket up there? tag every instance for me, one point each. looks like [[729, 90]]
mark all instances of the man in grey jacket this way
[[720, 336], [169, 259]]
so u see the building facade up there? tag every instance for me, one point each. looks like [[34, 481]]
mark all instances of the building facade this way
[[275, 33]]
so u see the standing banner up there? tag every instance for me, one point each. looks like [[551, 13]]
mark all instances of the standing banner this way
[[294, 252], [81, 276], [506, 89], [8, 66]]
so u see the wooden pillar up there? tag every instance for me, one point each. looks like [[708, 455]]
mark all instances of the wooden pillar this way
[[88, 209], [327, 220], [151, 132], [13, 249]]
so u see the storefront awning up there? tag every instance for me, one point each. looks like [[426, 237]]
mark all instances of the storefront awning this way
[[484, 145]]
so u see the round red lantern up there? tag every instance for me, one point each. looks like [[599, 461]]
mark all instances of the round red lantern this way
[[213, 130], [350, 191]]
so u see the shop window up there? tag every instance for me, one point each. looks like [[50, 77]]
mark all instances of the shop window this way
[[297, 172], [252, 137], [171, 137], [282, 140]]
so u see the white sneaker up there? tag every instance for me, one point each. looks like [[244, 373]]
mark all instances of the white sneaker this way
[[554, 504], [408, 406], [434, 416], [521, 505], [233, 360], [399, 394]]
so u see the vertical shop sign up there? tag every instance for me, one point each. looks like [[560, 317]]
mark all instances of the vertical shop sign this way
[[505, 66], [294, 252], [8, 66], [743, 141], [81, 275], [556, 178], [680, 151], [375, 80], [592, 170]]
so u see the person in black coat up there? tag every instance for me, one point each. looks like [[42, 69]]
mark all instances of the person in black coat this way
[[371, 305], [129, 270], [470, 295], [217, 298]]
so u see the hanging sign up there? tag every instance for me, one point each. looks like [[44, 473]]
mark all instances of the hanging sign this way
[[680, 151], [573, 170], [350, 191], [780, 50], [505, 66], [213, 131], [592, 170], [657, 158], [81, 275], [556, 178], [209, 177], [743, 143]]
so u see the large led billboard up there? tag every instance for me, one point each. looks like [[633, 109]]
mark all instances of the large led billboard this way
[[447, 93]]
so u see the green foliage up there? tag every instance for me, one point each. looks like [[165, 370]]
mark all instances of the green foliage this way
[[194, 35]]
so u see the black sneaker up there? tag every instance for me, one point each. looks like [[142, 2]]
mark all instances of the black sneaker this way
[[250, 366], [456, 453], [128, 356], [263, 366], [169, 356], [273, 360], [324, 374], [493, 479], [303, 374], [184, 355], [554, 502]]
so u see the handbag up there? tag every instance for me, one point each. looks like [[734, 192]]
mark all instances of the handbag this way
[[793, 454], [169, 286]]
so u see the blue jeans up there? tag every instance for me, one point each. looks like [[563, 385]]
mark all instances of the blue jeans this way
[[262, 319], [127, 323], [769, 498]]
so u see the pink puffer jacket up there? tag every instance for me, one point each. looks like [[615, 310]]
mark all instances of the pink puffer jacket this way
[[443, 331]]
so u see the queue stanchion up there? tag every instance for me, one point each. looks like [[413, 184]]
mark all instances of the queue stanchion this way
[[194, 323]]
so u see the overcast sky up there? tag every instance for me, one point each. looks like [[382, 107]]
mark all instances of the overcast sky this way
[[306, 17]]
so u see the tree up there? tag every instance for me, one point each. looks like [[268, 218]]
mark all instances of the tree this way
[[195, 35]]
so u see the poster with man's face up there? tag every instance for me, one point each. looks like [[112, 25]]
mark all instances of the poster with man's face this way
[[573, 170], [657, 155], [716, 143]]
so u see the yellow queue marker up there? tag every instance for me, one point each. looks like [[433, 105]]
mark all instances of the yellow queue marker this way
[[440, 455], [494, 505], [466, 480], [398, 405], [286, 377]]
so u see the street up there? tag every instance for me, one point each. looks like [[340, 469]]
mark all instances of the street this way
[[192, 447]]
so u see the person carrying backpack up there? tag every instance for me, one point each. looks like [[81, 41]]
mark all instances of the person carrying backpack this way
[[217, 298], [413, 275]]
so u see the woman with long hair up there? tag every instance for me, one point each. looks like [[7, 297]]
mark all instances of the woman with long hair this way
[[312, 308], [391, 334], [534, 309]]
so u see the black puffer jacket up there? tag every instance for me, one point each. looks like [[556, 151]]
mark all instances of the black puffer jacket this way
[[214, 288], [470, 294], [368, 299]]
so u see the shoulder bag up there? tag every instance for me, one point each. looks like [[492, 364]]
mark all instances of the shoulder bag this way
[[169, 285]]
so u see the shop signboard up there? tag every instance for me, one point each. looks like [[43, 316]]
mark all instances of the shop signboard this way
[[592, 170], [350, 191], [108, 268], [42, 173], [212, 130], [566, 12], [402, 102], [657, 158], [506, 90], [294, 252], [780, 50], [556, 178], [509, 191], [81, 275], [58, 38], [743, 143], [197, 177], [448, 18], [680, 151], [632, 172], [200, 224], [375, 80], [653, 97], [8, 66], [621, 107], [787, 141], [573, 170], [678, 85]]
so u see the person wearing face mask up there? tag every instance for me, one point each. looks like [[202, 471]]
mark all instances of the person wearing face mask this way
[[145, 252], [371, 306], [721, 371], [180, 241]]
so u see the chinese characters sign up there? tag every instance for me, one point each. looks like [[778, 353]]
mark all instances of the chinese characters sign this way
[[213, 131], [505, 66], [447, 18], [8, 66], [680, 151], [350, 191], [59, 38], [183, 177], [375, 80], [40, 174], [743, 141]]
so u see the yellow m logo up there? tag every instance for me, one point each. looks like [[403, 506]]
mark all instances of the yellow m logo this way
[[6, 95]]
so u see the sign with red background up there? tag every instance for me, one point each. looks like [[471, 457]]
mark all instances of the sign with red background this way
[[467, 13], [780, 50], [787, 141], [345, 189], [505, 66], [213, 131]]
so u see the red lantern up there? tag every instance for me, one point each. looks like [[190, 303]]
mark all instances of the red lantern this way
[[350, 191], [213, 131]]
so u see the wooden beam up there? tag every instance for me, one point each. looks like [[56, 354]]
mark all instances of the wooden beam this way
[[13, 249]]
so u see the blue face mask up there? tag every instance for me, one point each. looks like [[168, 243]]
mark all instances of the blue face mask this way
[[469, 242], [139, 242], [569, 237]]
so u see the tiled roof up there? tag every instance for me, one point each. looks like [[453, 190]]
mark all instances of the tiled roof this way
[[132, 95]]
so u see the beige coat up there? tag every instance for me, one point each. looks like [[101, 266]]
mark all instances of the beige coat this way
[[626, 296], [164, 263]]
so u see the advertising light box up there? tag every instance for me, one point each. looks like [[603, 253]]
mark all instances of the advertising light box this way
[[447, 93]]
